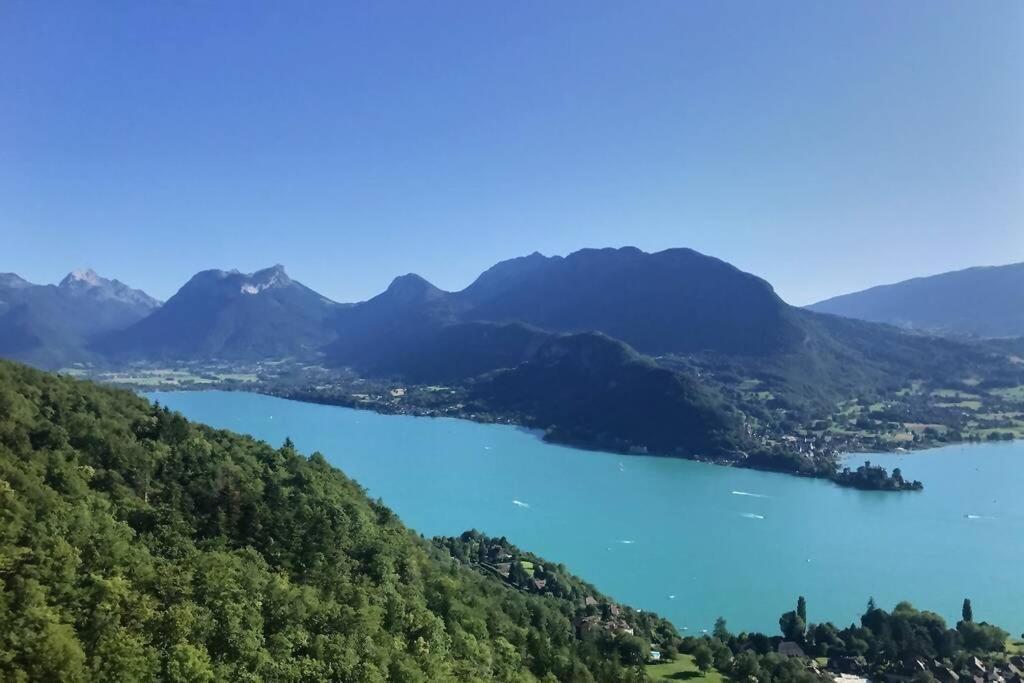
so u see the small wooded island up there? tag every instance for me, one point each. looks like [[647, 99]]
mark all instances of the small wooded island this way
[[876, 478]]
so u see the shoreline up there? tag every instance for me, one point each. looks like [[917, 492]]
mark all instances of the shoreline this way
[[841, 459]]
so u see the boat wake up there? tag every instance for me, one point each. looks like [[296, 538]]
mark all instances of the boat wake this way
[[751, 515], [519, 503], [750, 495]]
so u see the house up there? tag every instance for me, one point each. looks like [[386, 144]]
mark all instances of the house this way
[[655, 655], [788, 648], [852, 665], [943, 674], [619, 626], [539, 584], [589, 602], [614, 610], [504, 568], [588, 624], [498, 554], [848, 678]]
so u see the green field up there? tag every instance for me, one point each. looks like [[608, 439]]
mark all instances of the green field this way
[[1012, 393], [682, 669]]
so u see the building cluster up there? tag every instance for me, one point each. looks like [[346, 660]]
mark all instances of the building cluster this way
[[974, 671], [601, 617]]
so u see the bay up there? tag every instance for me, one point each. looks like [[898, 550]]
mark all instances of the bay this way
[[689, 540]]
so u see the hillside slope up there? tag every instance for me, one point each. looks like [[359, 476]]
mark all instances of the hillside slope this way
[[983, 302], [138, 546]]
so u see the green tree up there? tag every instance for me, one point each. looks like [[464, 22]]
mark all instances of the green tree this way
[[967, 611], [792, 626], [801, 608], [721, 630], [633, 650], [702, 657], [745, 666]]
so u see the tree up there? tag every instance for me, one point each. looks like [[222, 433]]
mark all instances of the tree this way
[[721, 655], [745, 666], [633, 650], [721, 630], [517, 573], [792, 626], [967, 611], [702, 657], [801, 608]]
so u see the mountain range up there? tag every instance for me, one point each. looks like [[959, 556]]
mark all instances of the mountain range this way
[[981, 302], [228, 315], [52, 325], [610, 348]]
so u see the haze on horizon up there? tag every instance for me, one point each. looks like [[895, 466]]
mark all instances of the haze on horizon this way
[[826, 148]]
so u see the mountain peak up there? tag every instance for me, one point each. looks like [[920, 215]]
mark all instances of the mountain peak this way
[[13, 281], [261, 280], [86, 283], [83, 277], [410, 286]]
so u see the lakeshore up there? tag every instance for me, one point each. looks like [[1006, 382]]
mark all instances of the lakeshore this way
[[689, 540]]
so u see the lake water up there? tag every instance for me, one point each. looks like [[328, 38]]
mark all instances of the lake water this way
[[688, 540]]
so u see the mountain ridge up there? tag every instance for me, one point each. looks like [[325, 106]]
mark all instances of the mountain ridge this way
[[983, 301]]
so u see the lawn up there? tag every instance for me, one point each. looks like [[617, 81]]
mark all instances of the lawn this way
[[955, 394], [1011, 393], [682, 669]]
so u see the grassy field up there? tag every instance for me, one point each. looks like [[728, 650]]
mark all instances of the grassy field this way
[[682, 669], [1012, 393]]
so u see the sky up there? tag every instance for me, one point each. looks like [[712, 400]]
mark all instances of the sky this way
[[824, 146]]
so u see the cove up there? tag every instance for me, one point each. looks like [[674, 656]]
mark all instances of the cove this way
[[689, 540]]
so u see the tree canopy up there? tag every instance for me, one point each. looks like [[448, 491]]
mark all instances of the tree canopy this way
[[135, 545]]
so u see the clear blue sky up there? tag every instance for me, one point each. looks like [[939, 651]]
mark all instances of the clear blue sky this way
[[826, 146]]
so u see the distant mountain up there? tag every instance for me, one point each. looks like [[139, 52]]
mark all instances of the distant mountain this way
[[230, 315], [51, 325], [87, 284], [984, 302], [676, 300], [679, 306]]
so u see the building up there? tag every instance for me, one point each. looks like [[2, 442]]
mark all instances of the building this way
[[788, 648]]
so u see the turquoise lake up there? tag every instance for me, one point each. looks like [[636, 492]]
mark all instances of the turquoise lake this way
[[688, 540]]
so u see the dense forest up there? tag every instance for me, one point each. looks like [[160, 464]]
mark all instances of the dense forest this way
[[135, 546]]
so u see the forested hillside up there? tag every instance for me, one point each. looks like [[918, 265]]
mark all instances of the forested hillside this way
[[136, 546]]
